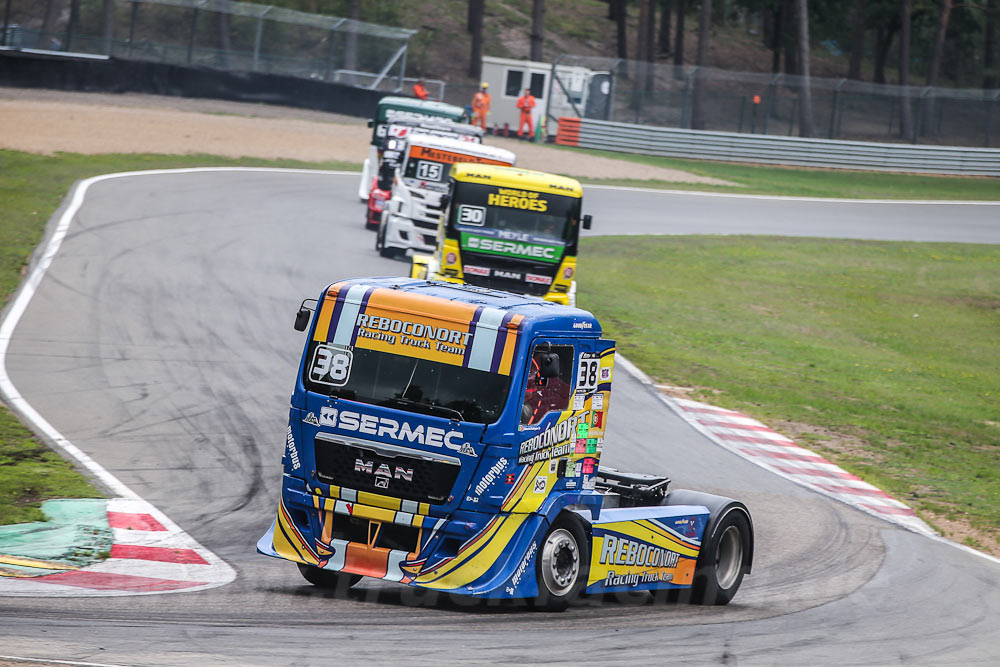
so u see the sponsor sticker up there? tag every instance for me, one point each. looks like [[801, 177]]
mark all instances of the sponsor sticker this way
[[597, 401], [537, 279], [476, 270], [579, 401], [541, 483]]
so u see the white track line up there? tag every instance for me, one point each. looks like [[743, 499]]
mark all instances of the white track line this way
[[219, 572]]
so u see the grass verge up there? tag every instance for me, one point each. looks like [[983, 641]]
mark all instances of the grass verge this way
[[31, 189], [801, 182], [882, 356]]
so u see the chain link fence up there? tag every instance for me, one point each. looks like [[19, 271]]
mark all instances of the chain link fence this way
[[745, 102], [218, 34]]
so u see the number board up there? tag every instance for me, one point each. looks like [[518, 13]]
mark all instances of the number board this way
[[590, 365], [331, 364], [471, 215], [429, 171]]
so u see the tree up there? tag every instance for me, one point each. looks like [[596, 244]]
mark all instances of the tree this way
[[351, 43], [223, 23], [927, 108], [619, 12], [679, 35], [107, 24], [857, 39], [537, 29], [906, 113], [990, 46], [663, 43], [642, 49], [805, 85], [701, 61], [476, 8]]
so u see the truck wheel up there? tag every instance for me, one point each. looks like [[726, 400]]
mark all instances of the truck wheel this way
[[562, 564], [328, 579], [722, 561]]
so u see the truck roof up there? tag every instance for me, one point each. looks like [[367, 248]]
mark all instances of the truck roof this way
[[429, 107], [452, 145], [529, 315], [516, 177]]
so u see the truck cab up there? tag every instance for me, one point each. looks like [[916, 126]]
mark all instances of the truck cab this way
[[448, 437], [419, 183], [392, 150], [511, 229], [393, 109]]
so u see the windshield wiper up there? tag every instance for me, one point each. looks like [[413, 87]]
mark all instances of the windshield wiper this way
[[430, 407]]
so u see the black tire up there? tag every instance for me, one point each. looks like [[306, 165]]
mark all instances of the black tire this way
[[328, 579], [724, 559], [388, 253], [562, 564]]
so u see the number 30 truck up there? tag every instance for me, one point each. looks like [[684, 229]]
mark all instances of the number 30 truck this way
[[449, 437], [508, 228]]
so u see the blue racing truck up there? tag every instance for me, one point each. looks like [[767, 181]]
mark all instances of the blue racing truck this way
[[448, 437]]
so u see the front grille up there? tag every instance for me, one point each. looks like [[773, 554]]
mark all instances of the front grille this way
[[522, 267], [400, 476]]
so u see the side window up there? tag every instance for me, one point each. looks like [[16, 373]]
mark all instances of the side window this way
[[550, 382], [538, 85], [512, 86]]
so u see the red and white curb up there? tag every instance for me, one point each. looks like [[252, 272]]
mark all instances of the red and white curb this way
[[150, 553], [750, 439]]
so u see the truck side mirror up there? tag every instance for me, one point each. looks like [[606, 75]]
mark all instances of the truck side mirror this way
[[587, 219], [371, 122], [549, 365], [445, 200], [302, 317]]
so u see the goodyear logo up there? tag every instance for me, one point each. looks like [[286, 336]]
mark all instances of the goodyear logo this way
[[524, 199]]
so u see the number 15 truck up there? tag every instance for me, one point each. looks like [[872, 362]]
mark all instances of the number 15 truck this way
[[449, 437]]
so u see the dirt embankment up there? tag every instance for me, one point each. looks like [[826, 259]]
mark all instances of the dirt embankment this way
[[41, 121]]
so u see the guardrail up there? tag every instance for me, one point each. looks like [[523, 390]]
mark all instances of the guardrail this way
[[795, 151]]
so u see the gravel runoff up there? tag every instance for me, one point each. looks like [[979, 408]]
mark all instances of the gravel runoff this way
[[47, 121]]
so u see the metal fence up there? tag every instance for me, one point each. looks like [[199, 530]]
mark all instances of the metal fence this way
[[797, 151], [753, 103], [219, 34]]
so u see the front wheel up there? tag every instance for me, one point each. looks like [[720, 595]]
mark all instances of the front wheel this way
[[723, 560], [327, 578], [380, 243], [563, 564]]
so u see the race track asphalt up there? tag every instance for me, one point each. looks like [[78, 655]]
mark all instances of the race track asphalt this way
[[161, 344]]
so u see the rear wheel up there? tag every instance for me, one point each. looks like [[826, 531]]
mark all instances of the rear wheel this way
[[380, 243], [563, 564], [723, 560], [328, 578]]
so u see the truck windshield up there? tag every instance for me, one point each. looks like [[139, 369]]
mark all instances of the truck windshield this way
[[516, 214], [413, 384]]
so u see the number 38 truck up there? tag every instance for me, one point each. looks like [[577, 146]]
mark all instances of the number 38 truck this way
[[448, 437]]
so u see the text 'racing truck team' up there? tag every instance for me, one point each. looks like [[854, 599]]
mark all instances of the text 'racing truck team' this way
[[448, 437], [419, 183], [511, 229]]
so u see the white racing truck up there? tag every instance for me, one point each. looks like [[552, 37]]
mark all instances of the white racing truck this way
[[393, 149], [419, 184]]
